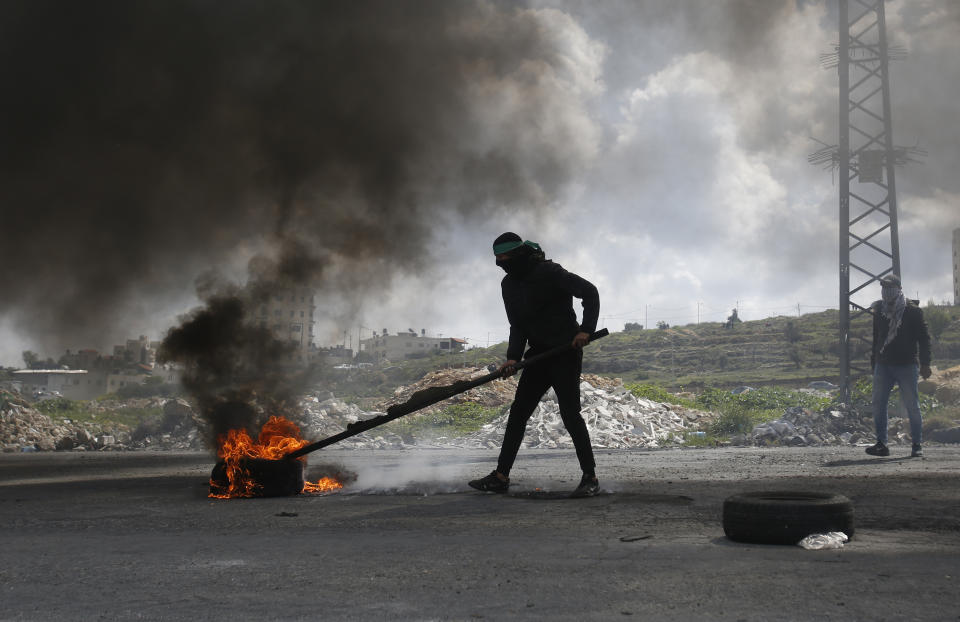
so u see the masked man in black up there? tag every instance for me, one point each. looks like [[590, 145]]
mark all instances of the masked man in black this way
[[538, 296], [901, 349]]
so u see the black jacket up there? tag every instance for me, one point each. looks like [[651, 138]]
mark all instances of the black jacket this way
[[912, 343], [539, 306]]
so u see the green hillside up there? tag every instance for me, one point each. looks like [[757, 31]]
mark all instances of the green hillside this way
[[782, 351], [779, 350]]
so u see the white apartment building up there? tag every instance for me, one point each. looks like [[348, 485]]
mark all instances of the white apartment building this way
[[67, 382]]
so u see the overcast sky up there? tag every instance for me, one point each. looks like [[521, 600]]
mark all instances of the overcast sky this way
[[656, 148]]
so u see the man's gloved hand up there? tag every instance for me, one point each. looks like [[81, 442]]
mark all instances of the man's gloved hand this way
[[925, 371], [581, 340], [508, 369]]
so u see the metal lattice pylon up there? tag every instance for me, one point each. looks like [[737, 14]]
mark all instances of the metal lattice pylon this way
[[865, 157], [869, 241]]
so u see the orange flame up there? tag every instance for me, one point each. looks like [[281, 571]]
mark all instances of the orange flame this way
[[277, 438]]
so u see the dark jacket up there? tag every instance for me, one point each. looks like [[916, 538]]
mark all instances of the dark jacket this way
[[539, 306], [912, 343]]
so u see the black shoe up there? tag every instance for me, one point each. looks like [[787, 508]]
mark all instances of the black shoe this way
[[491, 483], [878, 450], [589, 486], [916, 452]]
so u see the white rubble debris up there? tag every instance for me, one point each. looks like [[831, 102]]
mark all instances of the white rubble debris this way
[[320, 419], [24, 429], [615, 418], [801, 427]]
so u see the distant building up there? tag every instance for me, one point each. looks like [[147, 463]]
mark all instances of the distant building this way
[[84, 359], [132, 376], [408, 344], [140, 351], [137, 351], [289, 313], [69, 383], [89, 374], [956, 266], [77, 384], [336, 355]]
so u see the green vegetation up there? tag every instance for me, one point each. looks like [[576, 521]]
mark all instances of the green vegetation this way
[[454, 420], [778, 351], [152, 386], [773, 352], [861, 395], [741, 412], [84, 412], [762, 399], [935, 414], [704, 438], [738, 419], [658, 394]]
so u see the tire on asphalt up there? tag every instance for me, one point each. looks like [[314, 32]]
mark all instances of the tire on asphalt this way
[[785, 517]]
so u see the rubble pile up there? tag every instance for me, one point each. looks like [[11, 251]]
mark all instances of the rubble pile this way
[[325, 415], [802, 426], [616, 419], [23, 429], [178, 428], [850, 426], [495, 393], [491, 394]]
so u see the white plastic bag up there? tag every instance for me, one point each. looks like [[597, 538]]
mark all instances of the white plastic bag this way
[[817, 541]]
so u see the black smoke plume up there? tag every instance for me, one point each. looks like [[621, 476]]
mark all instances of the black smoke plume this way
[[145, 142]]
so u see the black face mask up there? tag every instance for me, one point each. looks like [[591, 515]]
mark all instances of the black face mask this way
[[515, 266]]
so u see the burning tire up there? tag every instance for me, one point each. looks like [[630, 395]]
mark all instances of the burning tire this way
[[785, 517], [264, 478]]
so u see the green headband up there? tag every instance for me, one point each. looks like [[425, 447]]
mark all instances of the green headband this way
[[506, 247]]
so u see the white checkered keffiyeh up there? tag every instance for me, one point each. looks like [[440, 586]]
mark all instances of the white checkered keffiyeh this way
[[892, 308]]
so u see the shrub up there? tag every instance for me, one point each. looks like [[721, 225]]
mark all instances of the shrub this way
[[78, 410], [63, 408], [765, 398], [937, 320], [740, 413], [657, 394], [453, 420], [861, 396], [151, 389], [739, 419]]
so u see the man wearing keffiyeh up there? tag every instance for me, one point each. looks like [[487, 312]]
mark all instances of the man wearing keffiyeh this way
[[538, 297], [901, 349]]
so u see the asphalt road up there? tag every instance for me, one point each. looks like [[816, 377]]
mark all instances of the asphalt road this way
[[133, 536]]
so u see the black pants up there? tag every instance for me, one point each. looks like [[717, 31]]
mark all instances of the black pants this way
[[563, 374]]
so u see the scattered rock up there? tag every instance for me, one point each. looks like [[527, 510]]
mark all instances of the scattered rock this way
[[24, 428], [832, 426]]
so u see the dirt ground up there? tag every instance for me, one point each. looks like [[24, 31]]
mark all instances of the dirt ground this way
[[131, 536]]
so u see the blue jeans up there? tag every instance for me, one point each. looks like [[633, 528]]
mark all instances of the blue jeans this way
[[883, 378]]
